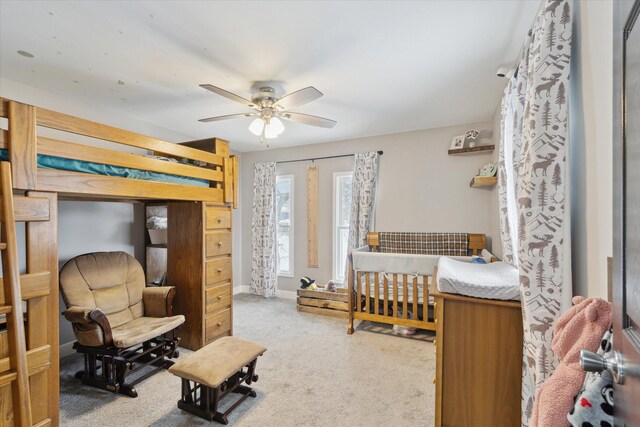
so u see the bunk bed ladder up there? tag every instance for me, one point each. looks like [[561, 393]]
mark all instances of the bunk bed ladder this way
[[17, 374]]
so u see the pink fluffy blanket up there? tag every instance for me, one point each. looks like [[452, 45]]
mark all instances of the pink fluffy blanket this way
[[581, 327]]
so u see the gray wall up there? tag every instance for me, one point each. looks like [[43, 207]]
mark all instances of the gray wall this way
[[92, 227], [590, 150], [421, 188]]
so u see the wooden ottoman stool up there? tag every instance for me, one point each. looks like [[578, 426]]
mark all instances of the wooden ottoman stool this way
[[215, 370]]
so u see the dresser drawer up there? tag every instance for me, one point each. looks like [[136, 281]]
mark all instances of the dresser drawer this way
[[217, 324], [218, 270], [217, 243], [217, 298], [217, 218]]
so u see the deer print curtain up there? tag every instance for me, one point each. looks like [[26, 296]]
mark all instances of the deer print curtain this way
[[363, 198], [263, 231], [533, 194]]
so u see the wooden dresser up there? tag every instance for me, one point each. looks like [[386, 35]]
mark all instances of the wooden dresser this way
[[478, 361], [199, 265]]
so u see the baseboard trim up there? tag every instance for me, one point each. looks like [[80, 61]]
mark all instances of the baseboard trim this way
[[240, 290], [66, 349], [281, 293]]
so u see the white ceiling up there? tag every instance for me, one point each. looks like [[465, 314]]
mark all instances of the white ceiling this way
[[383, 67]]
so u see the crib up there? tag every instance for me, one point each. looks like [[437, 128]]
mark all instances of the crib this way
[[390, 277]]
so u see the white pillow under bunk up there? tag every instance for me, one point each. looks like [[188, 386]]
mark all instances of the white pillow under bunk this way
[[497, 280]]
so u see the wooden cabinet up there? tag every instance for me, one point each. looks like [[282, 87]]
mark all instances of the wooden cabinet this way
[[478, 361], [199, 265]]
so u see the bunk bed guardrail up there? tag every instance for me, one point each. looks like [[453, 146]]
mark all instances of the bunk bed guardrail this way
[[24, 147]]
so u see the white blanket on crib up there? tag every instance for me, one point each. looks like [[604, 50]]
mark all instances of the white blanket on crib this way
[[413, 265], [497, 280], [364, 260]]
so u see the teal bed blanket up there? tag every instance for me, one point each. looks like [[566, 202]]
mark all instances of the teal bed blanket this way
[[60, 163]]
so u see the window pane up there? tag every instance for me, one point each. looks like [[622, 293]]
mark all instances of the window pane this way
[[284, 226], [345, 201], [342, 198], [342, 251]]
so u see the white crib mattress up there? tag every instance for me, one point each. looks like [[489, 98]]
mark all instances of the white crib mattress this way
[[496, 280]]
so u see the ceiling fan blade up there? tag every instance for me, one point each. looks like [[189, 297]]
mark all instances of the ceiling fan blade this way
[[229, 116], [299, 97], [307, 119], [229, 95]]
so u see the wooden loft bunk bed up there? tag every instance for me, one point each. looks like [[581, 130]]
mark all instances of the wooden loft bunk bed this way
[[27, 151], [199, 186]]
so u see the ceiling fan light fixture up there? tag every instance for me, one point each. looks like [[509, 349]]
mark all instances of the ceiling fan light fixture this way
[[257, 126], [275, 125], [271, 130], [269, 109]]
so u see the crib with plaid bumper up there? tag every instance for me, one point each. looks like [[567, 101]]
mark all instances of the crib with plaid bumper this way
[[389, 279]]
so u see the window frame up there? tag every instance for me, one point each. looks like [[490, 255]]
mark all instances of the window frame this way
[[336, 264], [289, 273]]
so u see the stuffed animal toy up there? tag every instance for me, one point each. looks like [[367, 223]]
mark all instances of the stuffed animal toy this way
[[331, 286], [308, 284], [582, 326]]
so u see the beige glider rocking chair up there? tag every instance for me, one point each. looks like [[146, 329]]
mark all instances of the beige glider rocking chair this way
[[121, 326]]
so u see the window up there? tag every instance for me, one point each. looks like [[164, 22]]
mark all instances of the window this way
[[284, 226], [341, 214]]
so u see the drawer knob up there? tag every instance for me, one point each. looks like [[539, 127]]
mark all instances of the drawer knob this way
[[219, 220], [219, 270], [219, 244], [219, 323], [220, 297], [435, 343]]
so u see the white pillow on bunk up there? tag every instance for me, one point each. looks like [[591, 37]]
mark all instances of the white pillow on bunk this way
[[497, 280]]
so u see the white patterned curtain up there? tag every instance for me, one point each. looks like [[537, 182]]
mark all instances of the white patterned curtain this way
[[363, 198], [263, 231], [533, 192]]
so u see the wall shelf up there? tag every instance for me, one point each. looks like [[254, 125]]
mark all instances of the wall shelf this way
[[472, 150], [483, 181]]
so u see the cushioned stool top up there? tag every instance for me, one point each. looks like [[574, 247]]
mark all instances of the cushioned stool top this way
[[215, 363]]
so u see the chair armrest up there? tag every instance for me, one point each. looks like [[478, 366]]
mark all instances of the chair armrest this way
[[86, 316], [78, 314], [158, 300]]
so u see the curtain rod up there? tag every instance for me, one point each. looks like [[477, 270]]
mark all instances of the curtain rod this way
[[380, 152]]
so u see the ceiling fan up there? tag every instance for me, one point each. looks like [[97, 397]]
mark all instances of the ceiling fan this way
[[269, 109]]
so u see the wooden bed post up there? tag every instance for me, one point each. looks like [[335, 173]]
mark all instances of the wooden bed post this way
[[227, 170], [350, 294], [234, 160], [477, 242], [373, 240], [42, 256], [22, 145]]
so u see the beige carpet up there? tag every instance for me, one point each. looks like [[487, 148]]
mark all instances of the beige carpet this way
[[313, 374]]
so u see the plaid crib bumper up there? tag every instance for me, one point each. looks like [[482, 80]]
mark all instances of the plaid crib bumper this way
[[451, 244]]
